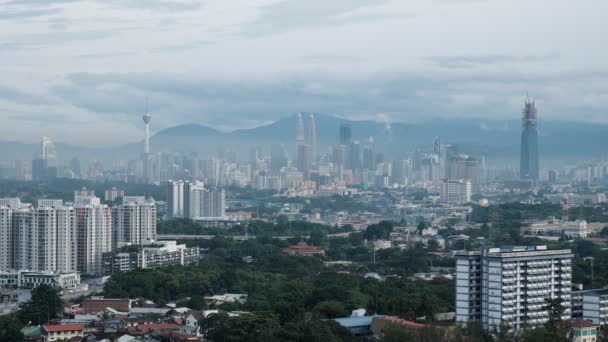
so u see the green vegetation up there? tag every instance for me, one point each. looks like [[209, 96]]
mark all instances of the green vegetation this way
[[282, 227], [44, 306]]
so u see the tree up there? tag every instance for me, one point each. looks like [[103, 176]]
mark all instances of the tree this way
[[557, 330], [329, 309], [396, 333], [44, 306], [10, 329]]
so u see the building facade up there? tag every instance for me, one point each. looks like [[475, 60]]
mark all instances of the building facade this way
[[455, 191], [529, 159], [509, 285]]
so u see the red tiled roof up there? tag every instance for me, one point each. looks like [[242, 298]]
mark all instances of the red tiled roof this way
[[401, 321], [579, 323], [63, 327], [302, 247]]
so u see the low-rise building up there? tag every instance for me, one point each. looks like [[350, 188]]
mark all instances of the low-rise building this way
[[32, 279], [595, 306], [303, 249], [160, 254], [583, 331], [55, 332]]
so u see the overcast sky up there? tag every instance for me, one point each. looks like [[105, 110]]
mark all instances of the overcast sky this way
[[80, 70]]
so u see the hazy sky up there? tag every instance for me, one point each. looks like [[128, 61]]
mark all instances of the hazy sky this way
[[80, 70]]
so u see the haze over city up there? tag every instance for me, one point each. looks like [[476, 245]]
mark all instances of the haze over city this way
[[71, 67], [303, 171]]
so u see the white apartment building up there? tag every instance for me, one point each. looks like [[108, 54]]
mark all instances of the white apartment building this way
[[175, 199], [455, 191], [94, 234], [195, 201], [509, 285], [134, 221], [37, 239]]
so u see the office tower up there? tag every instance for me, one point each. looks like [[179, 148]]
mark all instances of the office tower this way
[[278, 158], [553, 176], [455, 191], [311, 137], [147, 118], [175, 199], [509, 285], [529, 161], [437, 146], [134, 221], [369, 156], [447, 153], [464, 167], [39, 169], [304, 159], [75, 167], [299, 130], [93, 234], [345, 134], [354, 156], [340, 155]]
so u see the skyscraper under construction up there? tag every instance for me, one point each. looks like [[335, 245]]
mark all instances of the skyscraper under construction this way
[[528, 167]]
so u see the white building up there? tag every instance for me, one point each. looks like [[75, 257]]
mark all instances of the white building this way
[[94, 234], [455, 191], [175, 199], [38, 239], [31, 279], [570, 229], [595, 306], [134, 221], [509, 285]]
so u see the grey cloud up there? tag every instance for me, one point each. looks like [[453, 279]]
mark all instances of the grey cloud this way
[[403, 97], [480, 60], [160, 5], [28, 13], [19, 96], [291, 15], [53, 38]]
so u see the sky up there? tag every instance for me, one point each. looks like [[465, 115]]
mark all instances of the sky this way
[[81, 71]]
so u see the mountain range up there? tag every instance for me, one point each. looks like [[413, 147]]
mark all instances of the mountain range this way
[[497, 139]]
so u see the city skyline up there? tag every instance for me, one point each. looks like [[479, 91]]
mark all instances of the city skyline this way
[[102, 67]]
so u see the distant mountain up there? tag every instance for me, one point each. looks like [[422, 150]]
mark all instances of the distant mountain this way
[[497, 139]]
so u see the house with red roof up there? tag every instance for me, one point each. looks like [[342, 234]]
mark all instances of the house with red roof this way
[[54, 332], [303, 249]]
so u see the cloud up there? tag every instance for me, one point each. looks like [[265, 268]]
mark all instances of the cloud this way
[[288, 15], [28, 13], [18, 96], [481, 60]]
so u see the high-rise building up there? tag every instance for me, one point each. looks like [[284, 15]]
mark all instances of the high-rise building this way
[[175, 199], [455, 191], [369, 156], [278, 158], [311, 137], [134, 221], [94, 234], [304, 159], [345, 134], [193, 199], [38, 239], [44, 165], [529, 159], [464, 167], [214, 201], [299, 129], [354, 156], [509, 285]]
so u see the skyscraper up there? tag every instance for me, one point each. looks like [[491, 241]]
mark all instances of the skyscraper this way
[[299, 129], [529, 164], [345, 134], [311, 137]]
